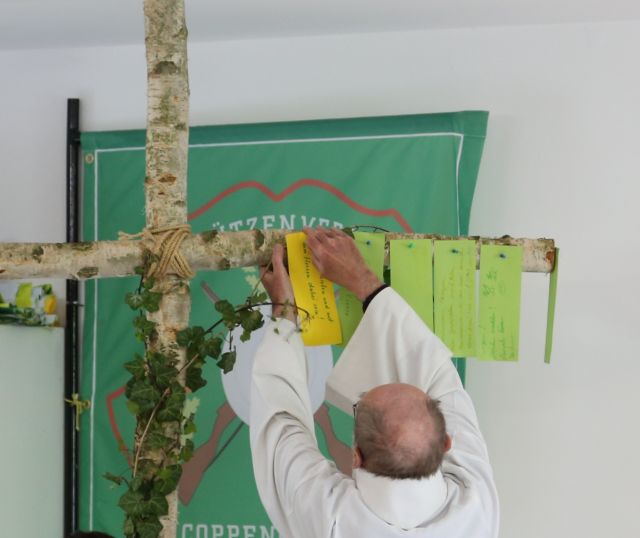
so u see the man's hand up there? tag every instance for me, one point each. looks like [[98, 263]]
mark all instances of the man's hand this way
[[276, 281], [337, 258]]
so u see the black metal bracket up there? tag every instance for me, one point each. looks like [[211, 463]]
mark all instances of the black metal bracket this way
[[72, 327]]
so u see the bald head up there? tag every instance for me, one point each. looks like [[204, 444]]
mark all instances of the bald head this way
[[400, 432]]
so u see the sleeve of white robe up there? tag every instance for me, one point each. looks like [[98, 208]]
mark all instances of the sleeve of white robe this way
[[297, 485], [392, 344], [287, 463]]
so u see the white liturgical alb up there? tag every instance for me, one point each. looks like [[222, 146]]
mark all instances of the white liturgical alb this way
[[306, 496]]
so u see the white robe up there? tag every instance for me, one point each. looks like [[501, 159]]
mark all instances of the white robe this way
[[307, 497]]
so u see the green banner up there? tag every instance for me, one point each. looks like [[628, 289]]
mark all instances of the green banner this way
[[406, 173]]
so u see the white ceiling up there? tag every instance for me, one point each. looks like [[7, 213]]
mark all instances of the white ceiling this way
[[70, 23]]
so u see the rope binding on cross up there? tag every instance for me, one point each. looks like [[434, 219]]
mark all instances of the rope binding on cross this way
[[165, 242]]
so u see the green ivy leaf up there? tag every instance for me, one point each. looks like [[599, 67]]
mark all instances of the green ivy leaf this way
[[173, 405], [164, 375], [223, 306], [189, 426], [157, 505], [194, 379], [258, 297], [133, 407], [132, 502], [156, 359], [251, 320], [211, 347], [192, 351], [149, 283], [226, 310], [183, 337], [128, 527], [136, 367], [386, 275], [151, 300], [146, 467], [142, 390], [137, 483], [192, 339], [227, 361], [148, 528], [139, 270], [187, 450], [156, 440], [144, 394], [197, 333], [167, 479], [134, 300], [145, 328]]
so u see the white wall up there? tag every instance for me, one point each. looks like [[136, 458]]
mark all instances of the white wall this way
[[561, 161], [31, 380]]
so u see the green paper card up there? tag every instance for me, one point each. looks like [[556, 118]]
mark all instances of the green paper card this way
[[371, 246], [412, 274], [551, 309], [454, 292], [349, 312], [499, 304]]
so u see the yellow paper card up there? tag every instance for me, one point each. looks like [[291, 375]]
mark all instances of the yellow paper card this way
[[454, 293], [412, 274], [313, 294], [499, 303]]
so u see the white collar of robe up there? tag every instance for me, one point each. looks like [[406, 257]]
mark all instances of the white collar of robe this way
[[404, 503]]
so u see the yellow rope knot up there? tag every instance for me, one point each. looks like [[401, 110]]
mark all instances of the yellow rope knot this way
[[165, 243], [79, 405]]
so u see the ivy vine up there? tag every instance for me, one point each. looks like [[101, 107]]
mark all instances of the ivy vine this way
[[156, 397]]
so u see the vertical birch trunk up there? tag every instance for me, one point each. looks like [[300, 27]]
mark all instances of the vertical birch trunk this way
[[166, 174]]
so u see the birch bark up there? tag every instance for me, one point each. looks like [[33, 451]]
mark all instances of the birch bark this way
[[204, 251], [166, 183]]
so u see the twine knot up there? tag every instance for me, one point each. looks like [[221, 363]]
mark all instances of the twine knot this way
[[79, 405], [165, 243]]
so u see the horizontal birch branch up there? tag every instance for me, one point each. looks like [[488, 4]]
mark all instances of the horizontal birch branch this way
[[207, 251]]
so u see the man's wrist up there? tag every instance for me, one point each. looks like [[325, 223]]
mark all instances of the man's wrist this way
[[372, 296], [366, 286], [285, 310]]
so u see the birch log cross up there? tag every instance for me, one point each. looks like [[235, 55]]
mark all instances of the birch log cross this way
[[165, 197]]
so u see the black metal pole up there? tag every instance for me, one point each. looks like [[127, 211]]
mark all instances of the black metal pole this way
[[72, 330]]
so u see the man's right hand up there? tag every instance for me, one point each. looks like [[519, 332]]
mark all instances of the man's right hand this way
[[337, 258]]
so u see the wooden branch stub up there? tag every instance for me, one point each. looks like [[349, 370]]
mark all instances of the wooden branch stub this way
[[207, 251], [78, 261]]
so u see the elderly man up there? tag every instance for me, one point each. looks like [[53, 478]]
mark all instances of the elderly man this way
[[420, 464]]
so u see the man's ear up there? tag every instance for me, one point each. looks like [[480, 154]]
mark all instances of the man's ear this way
[[357, 458], [447, 443]]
